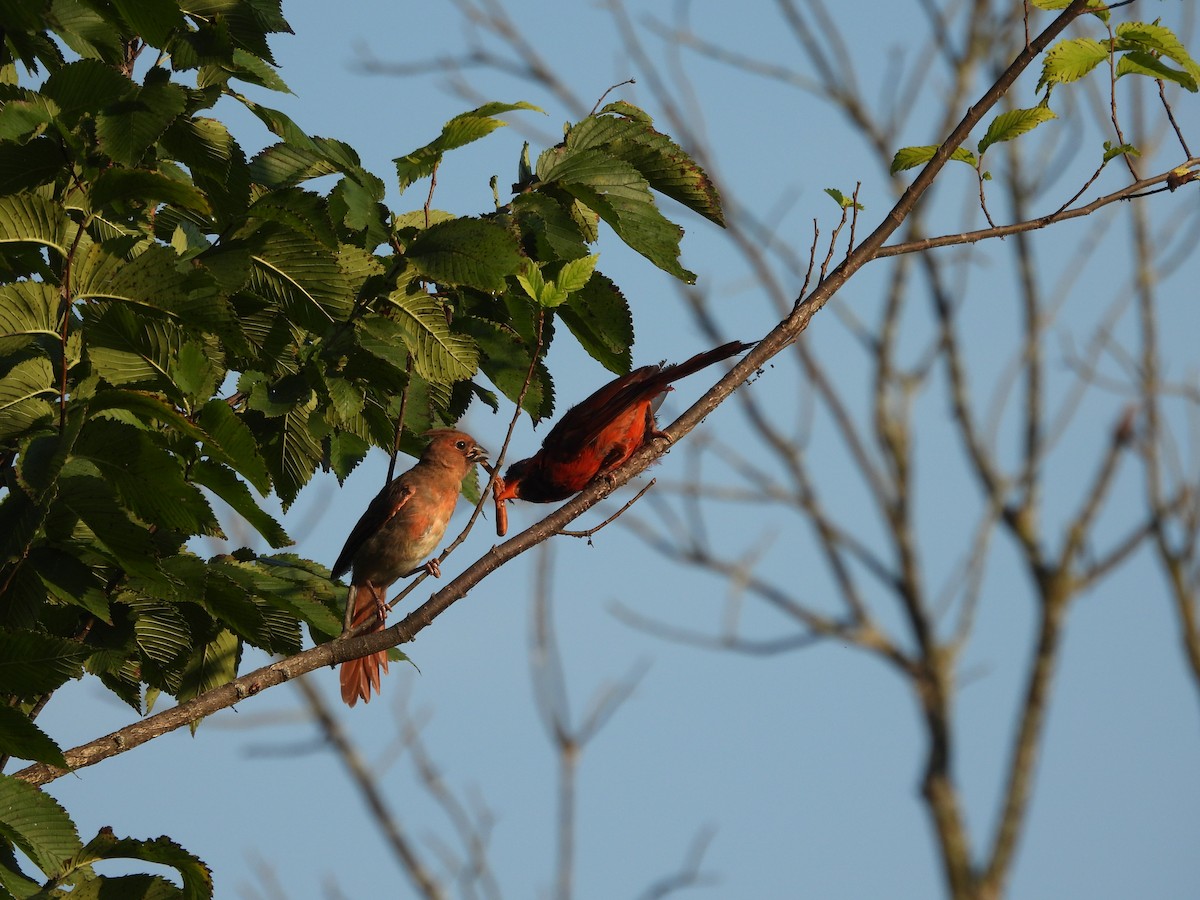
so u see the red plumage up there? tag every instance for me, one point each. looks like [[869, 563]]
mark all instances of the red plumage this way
[[597, 435]]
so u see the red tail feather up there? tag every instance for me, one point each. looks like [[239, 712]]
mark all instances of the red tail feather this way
[[358, 676]]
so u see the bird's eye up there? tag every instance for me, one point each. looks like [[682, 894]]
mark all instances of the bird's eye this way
[[461, 445]]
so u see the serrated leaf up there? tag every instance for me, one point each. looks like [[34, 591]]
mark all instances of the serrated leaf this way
[[1150, 37], [137, 186], [468, 252], [84, 86], [575, 273], [32, 663], [300, 210], [1014, 123], [1149, 65], [505, 360], [22, 739], [148, 479], [1111, 152], [23, 382], [29, 218], [34, 821], [153, 20], [290, 450], [459, 131], [231, 442], [92, 501], [70, 580], [25, 166], [547, 227], [842, 200], [160, 629], [126, 349], [911, 157], [617, 192], [222, 482], [196, 877], [419, 321], [303, 277], [128, 128], [1069, 61], [599, 317], [210, 666], [667, 168]]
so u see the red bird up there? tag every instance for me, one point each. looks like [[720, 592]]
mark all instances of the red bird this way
[[401, 527], [597, 435]]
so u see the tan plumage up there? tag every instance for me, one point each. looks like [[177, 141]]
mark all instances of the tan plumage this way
[[401, 527]]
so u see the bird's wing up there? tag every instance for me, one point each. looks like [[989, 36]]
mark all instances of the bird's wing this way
[[386, 504], [584, 421]]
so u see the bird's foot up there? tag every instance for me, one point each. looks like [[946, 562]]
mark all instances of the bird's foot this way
[[434, 568]]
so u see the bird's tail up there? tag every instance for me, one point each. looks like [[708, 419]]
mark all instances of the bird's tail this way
[[358, 676], [707, 358]]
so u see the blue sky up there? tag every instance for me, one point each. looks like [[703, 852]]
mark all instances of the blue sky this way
[[805, 765]]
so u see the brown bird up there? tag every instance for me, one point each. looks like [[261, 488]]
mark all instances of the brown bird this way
[[598, 435], [401, 527]]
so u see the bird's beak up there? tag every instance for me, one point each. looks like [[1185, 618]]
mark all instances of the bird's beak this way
[[478, 454]]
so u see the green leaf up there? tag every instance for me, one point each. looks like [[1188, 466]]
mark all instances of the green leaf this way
[[278, 123], [626, 133], [126, 349], [1112, 151], [136, 186], [459, 131], [26, 166], [230, 441], [71, 581], [419, 322], [248, 68], [300, 210], [32, 663], [153, 20], [599, 317], [29, 218], [1152, 38], [540, 291], [34, 821], [148, 479], [80, 88], [290, 450], [302, 276], [24, 390], [161, 631], [575, 274], [91, 500], [1069, 61], [842, 200], [618, 193], [911, 157], [222, 482], [197, 879], [210, 666], [469, 252], [505, 360], [128, 128], [547, 227], [22, 739], [1151, 66], [1014, 123]]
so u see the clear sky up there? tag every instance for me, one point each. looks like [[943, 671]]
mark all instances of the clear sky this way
[[805, 765]]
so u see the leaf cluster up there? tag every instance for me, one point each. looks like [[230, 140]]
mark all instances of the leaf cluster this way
[[180, 321], [1133, 48]]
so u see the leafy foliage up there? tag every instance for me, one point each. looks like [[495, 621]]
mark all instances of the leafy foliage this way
[[180, 322], [1138, 48]]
